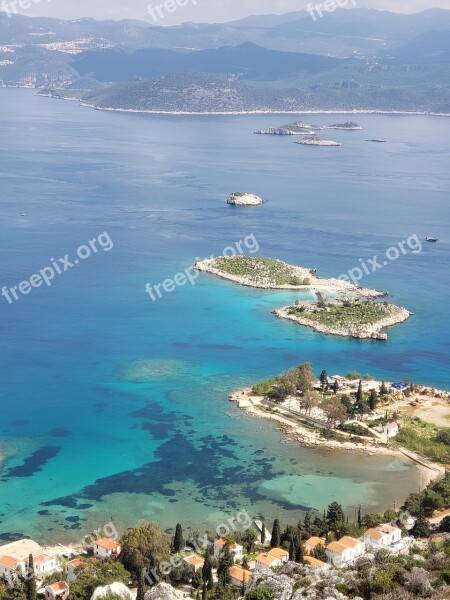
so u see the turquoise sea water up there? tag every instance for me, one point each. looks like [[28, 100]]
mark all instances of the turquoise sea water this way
[[113, 405]]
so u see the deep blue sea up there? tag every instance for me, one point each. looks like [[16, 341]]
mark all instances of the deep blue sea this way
[[116, 406]]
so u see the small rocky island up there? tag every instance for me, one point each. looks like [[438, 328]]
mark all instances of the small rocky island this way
[[349, 317], [356, 314], [297, 128], [316, 141], [270, 273], [244, 199], [348, 126]]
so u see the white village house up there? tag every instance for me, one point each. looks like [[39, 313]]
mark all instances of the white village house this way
[[276, 557], [391, 430], [57, 591], [383, 536], [104, 547], [193, 563], [44, 565], [236, 549], [9, 567], [72, 569], [344, 551], [239, 577]]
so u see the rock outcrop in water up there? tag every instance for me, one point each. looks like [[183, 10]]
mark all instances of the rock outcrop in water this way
[[244, 199], [315, 141], [348, 125]]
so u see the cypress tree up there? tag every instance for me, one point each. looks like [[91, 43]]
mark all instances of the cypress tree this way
[[335, 387], [207, 570], [359, 517], [263, 534], [225, 562], [276, 535], [307, 523], [30, 585], [324, 380], [292, 550], [178, 541], [373, 400], [299, 553]]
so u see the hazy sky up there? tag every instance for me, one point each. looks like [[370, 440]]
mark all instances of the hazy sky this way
[[195, 10]]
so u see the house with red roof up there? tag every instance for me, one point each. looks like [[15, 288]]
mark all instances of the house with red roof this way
[[104, 547]]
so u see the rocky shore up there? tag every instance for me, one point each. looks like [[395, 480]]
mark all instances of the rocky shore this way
[[359, 331], [306, 437], [244, 199], [260, 278], [315, 141]]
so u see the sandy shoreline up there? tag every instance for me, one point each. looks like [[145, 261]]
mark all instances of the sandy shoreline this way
[[295, 432]]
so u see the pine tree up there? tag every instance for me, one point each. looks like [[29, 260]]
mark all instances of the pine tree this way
[[421, 527], [140, 586], [276, 534], [307, 523], [178, 542], [30, 585], [335, 518], [225, 562], [324, 380], [263, 534]]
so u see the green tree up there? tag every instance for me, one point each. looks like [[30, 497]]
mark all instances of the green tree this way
[[30, 585], [335, 387], [305, 377], [225, 562], [207, 575], [276, 534], [335, 518], [320, 553], [359, 517], [421, 528], [178, 542], [263, 533], [260, 593], [383, 389], [248, 539], [307, 524], [373, 400], [286, 386], [98, 573], [324, 380], [144, 547], [353, 375], [299, 554]]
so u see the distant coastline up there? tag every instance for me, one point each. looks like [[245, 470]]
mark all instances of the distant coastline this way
[[261, 112]]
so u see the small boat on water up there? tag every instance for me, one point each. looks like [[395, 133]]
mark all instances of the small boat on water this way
[[431, 239]]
